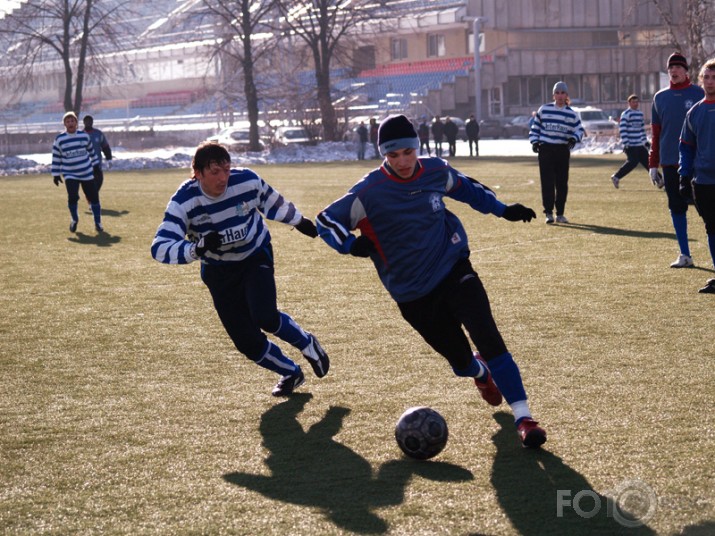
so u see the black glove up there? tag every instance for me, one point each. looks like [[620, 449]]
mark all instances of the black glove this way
[[57, 180], [536, 146], [209, 242], [571, 143], [362, 247], [686, 188], [307, 227], [517, 212]]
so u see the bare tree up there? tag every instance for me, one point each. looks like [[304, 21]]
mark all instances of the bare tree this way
[[691, 29], [323, 25], [245, 41], [74, 31]]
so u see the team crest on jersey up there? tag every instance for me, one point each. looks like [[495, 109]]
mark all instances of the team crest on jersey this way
[[689, 104], [243, 209], [436, 202]]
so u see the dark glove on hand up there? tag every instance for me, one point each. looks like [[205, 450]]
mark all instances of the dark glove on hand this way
[[362, 247], [57, 180], [518, 212], [535, 147], [686, 188], [307, 227], [572, 143], [209, 242]]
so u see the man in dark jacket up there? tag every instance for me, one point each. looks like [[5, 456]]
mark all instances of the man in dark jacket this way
[[473, 135]]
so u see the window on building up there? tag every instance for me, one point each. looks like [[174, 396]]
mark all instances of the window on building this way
[[513, 93], [590, 88], [535, 93], [609, 92], [398, 49], [435, 45], [626, 86], [648, 85]]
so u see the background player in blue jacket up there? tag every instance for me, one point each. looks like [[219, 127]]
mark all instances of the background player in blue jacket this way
[[215, 217], [668, 113], [100, 145], [421, 254], [697, 159]]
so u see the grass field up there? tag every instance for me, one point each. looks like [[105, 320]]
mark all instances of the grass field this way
[[125, 409]]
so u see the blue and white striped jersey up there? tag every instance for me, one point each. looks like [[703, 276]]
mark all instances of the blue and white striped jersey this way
[[236, 215], [555, 125], [631, 128], [73, 156]]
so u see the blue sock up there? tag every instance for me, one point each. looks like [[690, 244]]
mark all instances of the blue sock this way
[[73, 211], [474, 370], [96, 212], [711, 245], [275, 360], [680, 224], [506, 375], [289, 331]]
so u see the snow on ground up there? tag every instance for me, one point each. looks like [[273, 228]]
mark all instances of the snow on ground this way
[[180, 157]]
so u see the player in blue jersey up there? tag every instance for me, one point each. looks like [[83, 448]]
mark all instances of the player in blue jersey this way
[[668, 114], [217, 217], [74, 159], [697, 159], [631, 128], [421, 254], [555, 131], [100, 145]]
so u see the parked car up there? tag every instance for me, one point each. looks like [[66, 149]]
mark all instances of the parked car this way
[[235, 139], [289, 135], [492, 128], [596, 123], [518, 127]]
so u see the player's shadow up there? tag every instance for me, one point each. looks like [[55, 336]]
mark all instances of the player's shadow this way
[[109, 213], [615, 231], [310, 468], [102, 240], [543, 495]]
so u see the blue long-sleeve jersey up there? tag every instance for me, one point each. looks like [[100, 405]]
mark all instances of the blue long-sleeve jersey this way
[[418, 240], [697, 143], [236, 215]]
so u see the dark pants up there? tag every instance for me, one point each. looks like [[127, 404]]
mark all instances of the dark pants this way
[[99, 177], [88, 187], [474, 141], [554, 170], [244, 295], [424, 146], [459, 300], [452, 143], [438, 147], [704, 195], [676, 203], [636, 155]]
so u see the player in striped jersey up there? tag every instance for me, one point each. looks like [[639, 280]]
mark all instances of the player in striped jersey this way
[[217, 217], [697, 159], [555, 131], [631, 128], [74, 159]]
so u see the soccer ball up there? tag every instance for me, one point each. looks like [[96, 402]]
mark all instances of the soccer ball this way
[[421, 433]]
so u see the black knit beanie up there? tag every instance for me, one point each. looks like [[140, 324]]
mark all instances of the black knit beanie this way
[[676, 58], [396, 132]]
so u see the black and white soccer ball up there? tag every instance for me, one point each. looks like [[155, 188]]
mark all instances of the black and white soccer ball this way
[[421, 432]]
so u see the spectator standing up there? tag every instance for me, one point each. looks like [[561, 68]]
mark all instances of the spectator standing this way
[[100, 146], [437, 135], [631, 128], [74, 159], [362, 138], [373, 137], [668, 114], [697, 159], [472, 128], [423, 133], [556, 130], [450, 132]]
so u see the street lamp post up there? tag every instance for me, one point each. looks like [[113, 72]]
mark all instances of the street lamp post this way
[[478, 68]]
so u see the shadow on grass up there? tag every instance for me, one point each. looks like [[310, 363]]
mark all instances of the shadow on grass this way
[[600, 229], [310, 468], [540, 493], [103, 240], [109, 213]]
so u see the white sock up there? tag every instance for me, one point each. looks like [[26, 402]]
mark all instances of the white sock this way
[[520, 409]]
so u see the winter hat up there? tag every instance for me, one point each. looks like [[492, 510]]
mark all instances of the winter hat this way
[[676, 58], [560, 86], [396, 132]]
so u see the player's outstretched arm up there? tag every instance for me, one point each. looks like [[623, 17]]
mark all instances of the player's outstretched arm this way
[[518, 212]]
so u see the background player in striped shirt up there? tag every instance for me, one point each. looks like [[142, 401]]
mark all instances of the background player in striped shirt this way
[[668, 114], [631, 128], [74, 159], [555, 131], [217, 217], [697, 159]]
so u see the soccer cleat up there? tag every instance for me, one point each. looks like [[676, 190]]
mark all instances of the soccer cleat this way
[[531, 434], [683, 261], [316, 356], [561, 219], [99, 227], [549, 218], [287, 384], [615, 180], [709, 287], [487, 388], [73, 226]]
